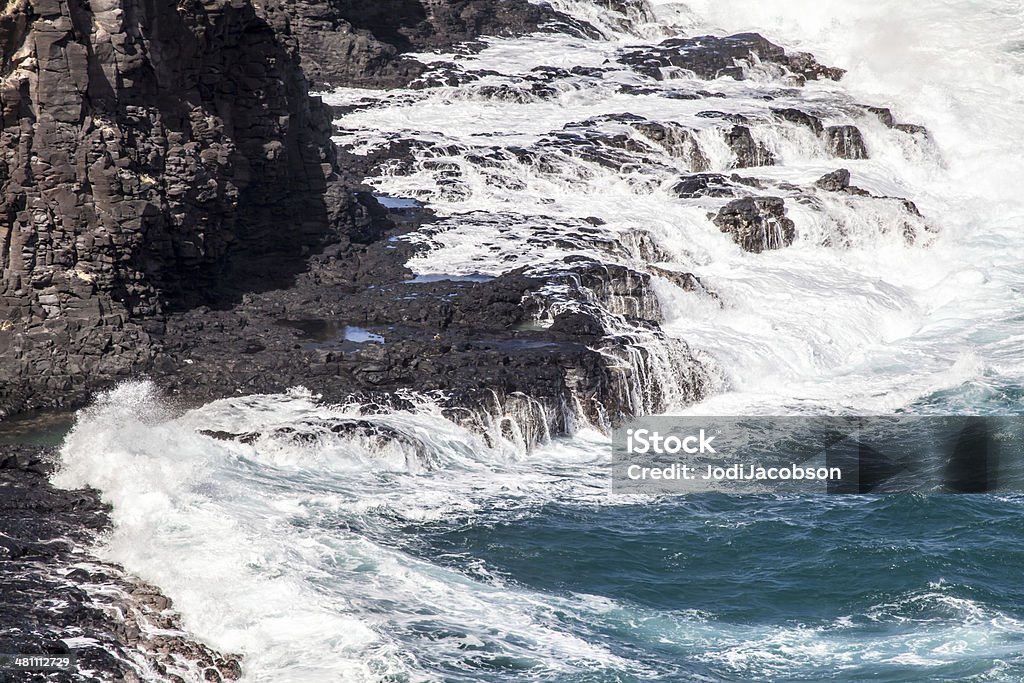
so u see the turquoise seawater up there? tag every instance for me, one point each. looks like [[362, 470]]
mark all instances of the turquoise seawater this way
[[761, 588]]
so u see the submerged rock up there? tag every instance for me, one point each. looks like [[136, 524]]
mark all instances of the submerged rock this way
[[908, 218], [757, 223]]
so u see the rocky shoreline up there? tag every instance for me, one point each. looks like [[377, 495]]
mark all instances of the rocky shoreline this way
[[58, 597], [176, 254], [125, 209], [172, 206], [218, 241]]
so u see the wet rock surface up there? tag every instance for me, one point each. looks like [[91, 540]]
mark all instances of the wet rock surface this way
[[757, 223], [164, 187], [172, 206], [836, 181], [711, 57], [800, 117], [57, 597], [467, 339], [748, 152], [886, 116], [846, 142], [154, 171]]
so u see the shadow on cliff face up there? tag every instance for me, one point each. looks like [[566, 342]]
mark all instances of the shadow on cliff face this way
[[153, 157], [411, 25], [160, 153], [250, 185], [162, 157], [395, 22]]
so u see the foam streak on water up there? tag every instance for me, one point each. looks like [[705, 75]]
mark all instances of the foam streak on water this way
[[327, 545]]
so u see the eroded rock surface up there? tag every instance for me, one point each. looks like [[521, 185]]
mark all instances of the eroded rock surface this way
[[712, 57], [354, 42], [846, 142], [156, 158], [757, 223]]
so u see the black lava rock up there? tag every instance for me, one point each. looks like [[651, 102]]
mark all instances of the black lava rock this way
[[757, 223], [846, 142], [836, 181], [711, 57]]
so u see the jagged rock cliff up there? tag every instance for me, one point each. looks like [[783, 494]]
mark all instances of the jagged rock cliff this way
[[155, 157], [146, 149]]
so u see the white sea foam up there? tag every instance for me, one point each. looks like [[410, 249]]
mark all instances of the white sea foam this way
[[268, 548], [870, 327]]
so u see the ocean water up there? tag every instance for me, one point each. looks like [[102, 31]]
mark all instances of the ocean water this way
[[423, 552]]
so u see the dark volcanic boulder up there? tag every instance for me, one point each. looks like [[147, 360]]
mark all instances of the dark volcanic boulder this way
[[885, 115], [704, 185], [911, 128], [839, 181], [677, 140], [846, 142], [686, 281], [801, 118], [836, 181], [757, 223], [711, 57], [749, 152]]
